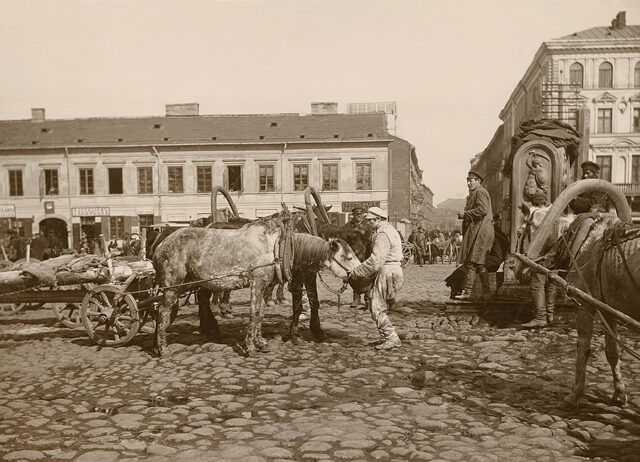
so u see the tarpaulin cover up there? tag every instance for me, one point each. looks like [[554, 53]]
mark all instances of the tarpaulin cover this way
[[558, 133]]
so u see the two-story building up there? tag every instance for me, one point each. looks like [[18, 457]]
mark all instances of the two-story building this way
[[114, 175], [591, 80]]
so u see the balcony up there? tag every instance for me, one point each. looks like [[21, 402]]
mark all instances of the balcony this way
[[632, 189]]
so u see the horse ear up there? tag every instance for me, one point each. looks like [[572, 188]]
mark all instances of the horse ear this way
[[334, 245]]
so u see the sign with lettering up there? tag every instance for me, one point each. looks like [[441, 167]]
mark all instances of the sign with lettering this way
[[7, 211], [349, 206], [49, 207], [90, 211]]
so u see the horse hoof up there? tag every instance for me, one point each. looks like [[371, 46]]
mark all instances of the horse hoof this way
[[297, 341], [570, 402], [319, 334], [619, 399]]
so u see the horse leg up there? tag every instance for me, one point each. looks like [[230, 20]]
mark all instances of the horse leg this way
[[261, 343], [225, 304], [268, 294], [310, 284], [295, 286], [208, 322], [280, 294], [257, 294], [584, 326], [163, 320], [613, 357]]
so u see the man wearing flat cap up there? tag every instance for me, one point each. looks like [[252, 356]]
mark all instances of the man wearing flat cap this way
[[478, 234], [384, 263], [589, 202]]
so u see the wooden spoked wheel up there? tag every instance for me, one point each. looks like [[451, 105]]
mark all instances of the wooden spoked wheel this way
[[406, 253], [109, 315], [69, 315], [7, 309]]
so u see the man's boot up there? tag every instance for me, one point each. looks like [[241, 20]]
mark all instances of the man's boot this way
[[550, 292], [356, 301], [539, 306], [386, 328], [469, 279], [486, 286]]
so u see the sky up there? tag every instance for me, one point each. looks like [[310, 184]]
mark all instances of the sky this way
[[449, 65]]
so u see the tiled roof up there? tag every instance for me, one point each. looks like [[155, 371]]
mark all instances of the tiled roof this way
[[159, 131], [603, 33]]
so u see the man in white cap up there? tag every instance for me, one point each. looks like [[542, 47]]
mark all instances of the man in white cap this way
[[385, 263]]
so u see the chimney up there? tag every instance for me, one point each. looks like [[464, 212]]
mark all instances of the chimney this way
[[183, 109], [324, 108], [620, 21], [37, 114]]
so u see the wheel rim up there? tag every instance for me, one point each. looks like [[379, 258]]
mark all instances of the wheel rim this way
[[69, 315], [7, 309], [102, 325]]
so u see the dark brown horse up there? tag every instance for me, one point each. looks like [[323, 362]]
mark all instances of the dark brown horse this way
[[230, 259]]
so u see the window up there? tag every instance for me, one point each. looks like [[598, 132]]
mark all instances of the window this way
[[115, 181], [176, 184], [635, 169], [605, 167], [300, 177], [363, 176], [636, 75], [86, 181], [203, 174], [604, 120], [233, 177], [266, 178], [116, 227], [330, 177], [145, 220], [575, 74], [145, 180], [15, 183], [636, 119], [51, 182], [605, 75]]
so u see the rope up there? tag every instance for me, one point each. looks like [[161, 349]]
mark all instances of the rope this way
[[338, 292]]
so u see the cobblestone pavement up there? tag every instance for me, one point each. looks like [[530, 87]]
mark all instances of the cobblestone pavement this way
[[458, 389]]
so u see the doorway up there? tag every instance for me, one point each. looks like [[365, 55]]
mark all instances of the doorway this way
[[56, 226]]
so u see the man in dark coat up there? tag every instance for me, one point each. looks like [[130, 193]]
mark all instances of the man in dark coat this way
[[589, 202], [38, 245], [478, 234], [356, 224]]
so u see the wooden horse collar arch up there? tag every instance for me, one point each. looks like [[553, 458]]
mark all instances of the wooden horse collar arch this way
[[310, 192], [214, 203]]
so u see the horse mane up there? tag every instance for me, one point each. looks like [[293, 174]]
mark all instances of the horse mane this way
[[309, 251]]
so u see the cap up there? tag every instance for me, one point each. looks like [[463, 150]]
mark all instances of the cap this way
[[539, 197], [590, 165], [376, 212], [357, 210], [474, 174]]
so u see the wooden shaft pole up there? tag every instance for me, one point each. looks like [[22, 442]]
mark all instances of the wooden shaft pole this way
[[570, 290]]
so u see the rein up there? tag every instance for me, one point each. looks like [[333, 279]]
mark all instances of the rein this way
[[338, 292]]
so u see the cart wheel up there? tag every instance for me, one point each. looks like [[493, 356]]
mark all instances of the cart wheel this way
[[406, 254], [7, 309], [109, 315], [69, 315]]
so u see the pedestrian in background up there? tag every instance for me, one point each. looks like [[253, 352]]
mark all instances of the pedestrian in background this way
[[478, 234], [356, 223], [385, 263]]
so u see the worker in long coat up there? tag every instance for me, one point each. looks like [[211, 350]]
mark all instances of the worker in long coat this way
[[478, 234]]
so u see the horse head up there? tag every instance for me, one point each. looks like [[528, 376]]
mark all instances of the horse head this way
[[342, 259]]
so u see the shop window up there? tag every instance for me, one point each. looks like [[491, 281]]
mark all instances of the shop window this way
[[176, 182], [204, 179], [605, 167], [51, 182], [233, 178], [115, 181], [635, 169], [605, 75], [266, 173], [604, 120], [576, 75], [300, 177], [146, 220], [363, 177], [145, 180], [116, 227], [329, 177], [86, 181], [15, 183]]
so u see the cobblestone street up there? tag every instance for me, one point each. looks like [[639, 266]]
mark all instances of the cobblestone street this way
[[459, 389]]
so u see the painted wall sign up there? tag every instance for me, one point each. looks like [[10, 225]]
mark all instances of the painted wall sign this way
[[349, 206], [7, 211], [90, 211]]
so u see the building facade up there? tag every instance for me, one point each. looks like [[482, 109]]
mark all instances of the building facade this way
[[590, 80], [115, 175]]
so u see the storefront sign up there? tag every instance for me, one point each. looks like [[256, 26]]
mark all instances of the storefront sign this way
[[7, 211], [49, 207], [349, 206], [90, 212]]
